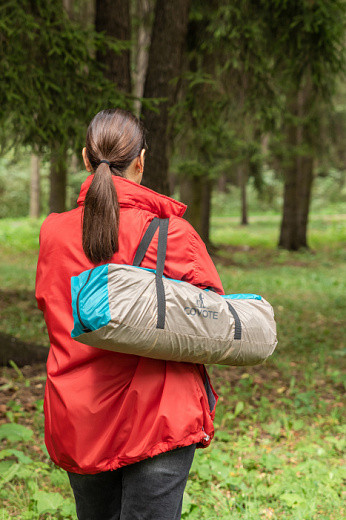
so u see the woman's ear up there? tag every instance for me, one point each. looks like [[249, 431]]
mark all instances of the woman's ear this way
[[141, 157], [86, 160]]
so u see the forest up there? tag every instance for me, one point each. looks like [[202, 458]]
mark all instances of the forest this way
[[245, 110]]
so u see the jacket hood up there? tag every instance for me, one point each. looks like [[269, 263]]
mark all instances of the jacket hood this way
[[131, 194]]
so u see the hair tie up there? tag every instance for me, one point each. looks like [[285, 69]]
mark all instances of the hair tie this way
[[105, 161]]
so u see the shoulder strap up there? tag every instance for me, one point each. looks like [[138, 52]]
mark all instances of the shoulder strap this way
[[162, 246], [145, 242], [160, 265], [162, 224]]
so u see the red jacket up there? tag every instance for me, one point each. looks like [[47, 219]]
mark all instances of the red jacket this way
[[102, 409]]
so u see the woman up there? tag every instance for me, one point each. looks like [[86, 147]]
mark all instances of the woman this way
[[124, 427]]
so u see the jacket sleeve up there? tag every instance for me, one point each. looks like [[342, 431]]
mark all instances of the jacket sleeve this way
[[203, 273], [45, 264]]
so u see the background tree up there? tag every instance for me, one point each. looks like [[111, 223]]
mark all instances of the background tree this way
[[276, 62], [196, 127], [164, 64], [223, 113], [142, 18], [309, 56], [113, 18], [35, 207]]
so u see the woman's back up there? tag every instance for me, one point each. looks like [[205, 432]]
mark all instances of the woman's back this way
[[103, 409]]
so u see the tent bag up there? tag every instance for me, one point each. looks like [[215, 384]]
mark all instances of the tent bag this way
[[133, 310]]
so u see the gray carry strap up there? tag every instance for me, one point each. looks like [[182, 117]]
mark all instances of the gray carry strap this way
[[237, 322], [145, 242], [160, 265], [162, 224]]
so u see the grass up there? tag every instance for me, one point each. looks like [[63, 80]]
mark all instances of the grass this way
[[277, 452], [263, 231]]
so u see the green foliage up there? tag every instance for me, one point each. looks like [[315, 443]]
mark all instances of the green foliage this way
[[328, 197], [14, 432], [14, 190], [51, 85], [309, 36], [15, 184], [20, 235], [47, 502], [248, 62], [21, 457], [30, 488], [238, 35], [309, 62], [251, 479]]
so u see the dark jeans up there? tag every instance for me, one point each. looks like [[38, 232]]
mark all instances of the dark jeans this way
[[151, 489]]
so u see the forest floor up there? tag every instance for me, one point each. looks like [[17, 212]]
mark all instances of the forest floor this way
[[279, 428]]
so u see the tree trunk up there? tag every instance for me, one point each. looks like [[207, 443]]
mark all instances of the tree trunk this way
[[86, 16], [298, 176], [143, 11], [191, 195], [82, 13], [58, 176], [306, 179], [297, 196], [196, 193], [68, 6], [207, 188], [113, 17], [222, 183], [164, 64], [34, 211], [242, 182]]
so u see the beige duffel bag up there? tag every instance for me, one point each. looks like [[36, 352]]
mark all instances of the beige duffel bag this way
[[138, 311]]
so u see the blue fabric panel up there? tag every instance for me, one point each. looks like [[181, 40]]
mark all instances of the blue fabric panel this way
[[93, 300], [242, 296], [77, 283]]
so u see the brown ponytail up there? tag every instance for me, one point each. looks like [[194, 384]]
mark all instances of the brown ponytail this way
[[117, 137]]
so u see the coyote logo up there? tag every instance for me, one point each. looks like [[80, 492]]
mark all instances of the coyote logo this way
[[200, 302], [201, 310]]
